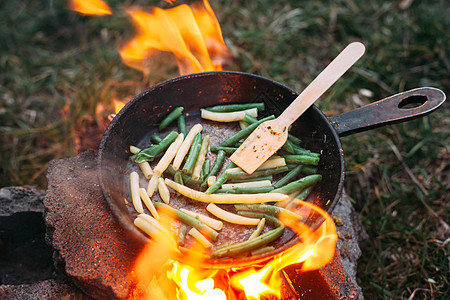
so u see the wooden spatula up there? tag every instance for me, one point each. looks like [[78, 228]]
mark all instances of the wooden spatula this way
[[271, 135]]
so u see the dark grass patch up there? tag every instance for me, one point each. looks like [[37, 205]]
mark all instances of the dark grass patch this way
[[58, 66]]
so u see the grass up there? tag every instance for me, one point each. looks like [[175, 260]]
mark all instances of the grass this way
[[58, 68]]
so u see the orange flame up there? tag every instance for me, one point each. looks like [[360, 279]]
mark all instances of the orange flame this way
[[191, 33], [118, 105], [193, 287], [253, 283], [187, 33], [90, 7], [315, 249]]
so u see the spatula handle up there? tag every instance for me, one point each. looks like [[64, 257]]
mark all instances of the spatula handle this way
[[321, 83]]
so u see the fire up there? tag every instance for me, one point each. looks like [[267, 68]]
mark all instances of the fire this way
[[317, 246], [193, 288], [253, 283], [118, 105], [190, 32], [193, 35], [314, 250], [91, 7]]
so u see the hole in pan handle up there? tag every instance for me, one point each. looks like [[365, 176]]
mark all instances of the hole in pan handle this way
[[398, 108]]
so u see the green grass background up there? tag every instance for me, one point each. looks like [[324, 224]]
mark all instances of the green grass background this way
[[57, 67]]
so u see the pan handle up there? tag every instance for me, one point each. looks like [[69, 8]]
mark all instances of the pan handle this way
[[389, 110]]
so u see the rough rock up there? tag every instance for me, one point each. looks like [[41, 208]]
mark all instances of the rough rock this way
[[88, 241], [351, 235], [47, 289], [21, 199], [337, 280], [24, 255]]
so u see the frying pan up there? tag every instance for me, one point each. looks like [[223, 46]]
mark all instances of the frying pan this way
[[134, 124]]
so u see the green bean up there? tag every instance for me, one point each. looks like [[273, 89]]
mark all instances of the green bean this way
[[187, 219], [227, 244], [259, 229], [298, 184], [228, 150], [186, 178], [257, 190], [263, 208], [178, 178], [182, 235], [301, 159], [149, 154], [268, 177], [308, 170], [236, 107], [262, 250], [301, 196], [301, 151], [305, 193], [291, 166], [207, 166], [205, 169], [289, 147], [155, 138], [220, 158], [221, 179], [193, 154], [249, 119], [288, 177], [294, 149], [249, 245], [258, 215], [181, 122], [244, 132], [295, 140], [271, 210], [172, 116], [243, 176], [200, 160]]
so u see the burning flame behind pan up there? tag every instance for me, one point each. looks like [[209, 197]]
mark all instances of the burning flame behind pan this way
[[92, 7], [191, 33]]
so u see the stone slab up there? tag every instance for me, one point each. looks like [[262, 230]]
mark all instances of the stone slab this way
[[21, 199], [24, 255], [45, 290], [88, 241], [337, 280]]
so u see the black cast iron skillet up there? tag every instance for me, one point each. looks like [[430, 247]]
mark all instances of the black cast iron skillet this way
[[134, 124]]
